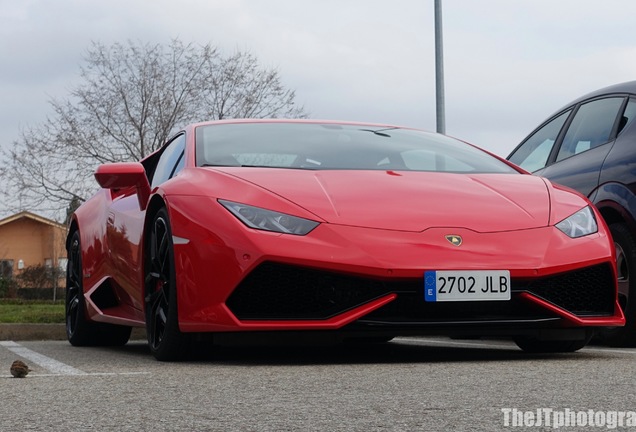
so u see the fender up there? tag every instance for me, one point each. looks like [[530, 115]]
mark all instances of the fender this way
[[618, 198]]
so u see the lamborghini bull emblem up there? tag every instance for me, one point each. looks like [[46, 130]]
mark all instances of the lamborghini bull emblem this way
[[455, 240]]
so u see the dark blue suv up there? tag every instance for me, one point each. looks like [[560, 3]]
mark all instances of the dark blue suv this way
[[590, 145]]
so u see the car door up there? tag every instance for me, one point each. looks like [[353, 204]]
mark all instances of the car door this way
[[618, 169], [533, 154], [125, 225], [580, 146]]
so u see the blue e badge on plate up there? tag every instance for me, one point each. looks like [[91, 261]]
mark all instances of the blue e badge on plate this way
[[430, 287]]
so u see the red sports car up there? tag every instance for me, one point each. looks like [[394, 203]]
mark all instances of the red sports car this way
[[330, 228]]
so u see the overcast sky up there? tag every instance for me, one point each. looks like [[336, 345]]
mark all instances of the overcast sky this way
[[508, 63]]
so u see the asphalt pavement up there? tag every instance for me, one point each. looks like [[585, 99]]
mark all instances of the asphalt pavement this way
[[406, 385]]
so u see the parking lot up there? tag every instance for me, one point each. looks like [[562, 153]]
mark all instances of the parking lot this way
[[409, 384]]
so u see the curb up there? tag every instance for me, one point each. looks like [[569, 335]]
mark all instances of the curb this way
[[33, 332]]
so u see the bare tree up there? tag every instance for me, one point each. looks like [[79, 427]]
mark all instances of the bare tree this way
[[131, 98]]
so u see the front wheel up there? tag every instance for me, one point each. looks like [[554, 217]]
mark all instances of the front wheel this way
[[166, 341], [626, 267], [368, 340]]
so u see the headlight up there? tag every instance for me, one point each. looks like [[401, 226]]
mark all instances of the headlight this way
[[258, 218], [580, 224]]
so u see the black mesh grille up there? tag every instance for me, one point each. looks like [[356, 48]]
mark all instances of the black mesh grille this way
[[588, 291], [278, 291]]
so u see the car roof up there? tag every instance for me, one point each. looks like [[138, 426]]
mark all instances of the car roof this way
[[628, 87]]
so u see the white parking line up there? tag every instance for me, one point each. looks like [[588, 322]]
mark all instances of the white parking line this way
[[52, 365], [611, 350]]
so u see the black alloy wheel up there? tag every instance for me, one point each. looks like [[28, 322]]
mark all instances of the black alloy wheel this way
[[165, 340], [534, 345], [79, 331], [626, 272]]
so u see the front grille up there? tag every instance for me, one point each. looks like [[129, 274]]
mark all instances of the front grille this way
[[276, 291], [588, 291]]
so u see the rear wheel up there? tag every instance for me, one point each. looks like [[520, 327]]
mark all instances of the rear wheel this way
[[534, 345], [79, 330], [166, 341], [114, 335], [626, 267]]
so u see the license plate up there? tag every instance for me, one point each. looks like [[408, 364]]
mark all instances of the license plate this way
[[466, 285]]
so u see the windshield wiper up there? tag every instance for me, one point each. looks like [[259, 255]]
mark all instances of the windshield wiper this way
[[379, 132]]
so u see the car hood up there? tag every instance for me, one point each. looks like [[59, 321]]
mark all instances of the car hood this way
[[410, 201]]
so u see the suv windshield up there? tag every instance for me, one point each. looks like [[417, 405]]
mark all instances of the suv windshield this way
[[325, 146]]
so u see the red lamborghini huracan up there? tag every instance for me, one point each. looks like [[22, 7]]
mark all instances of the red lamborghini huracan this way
[[351, 230]]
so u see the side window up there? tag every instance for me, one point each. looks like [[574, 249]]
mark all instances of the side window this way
[[533, 154], [592, 126], [170, 162], [179, 166], [628, 116], [6, 269]]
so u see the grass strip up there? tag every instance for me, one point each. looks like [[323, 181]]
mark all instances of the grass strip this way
[[31, 311]]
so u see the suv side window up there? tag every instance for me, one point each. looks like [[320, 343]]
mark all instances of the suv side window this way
[[533, 154], [628, 116], [591, 127], [170, 162]]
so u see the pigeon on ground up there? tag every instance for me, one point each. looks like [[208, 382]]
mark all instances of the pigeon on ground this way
[[19, 369]]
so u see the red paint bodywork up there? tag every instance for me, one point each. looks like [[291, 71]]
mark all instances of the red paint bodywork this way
[[377, 224]]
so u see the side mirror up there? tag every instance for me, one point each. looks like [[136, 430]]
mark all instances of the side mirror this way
[[125, 175]]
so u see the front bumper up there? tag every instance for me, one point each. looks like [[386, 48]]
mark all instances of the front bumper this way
[[349, 278]]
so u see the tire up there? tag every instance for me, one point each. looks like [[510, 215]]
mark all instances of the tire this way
[[79, 330], [113, 335], [626, 267], [533, 345], [165, 340], [368, 340]]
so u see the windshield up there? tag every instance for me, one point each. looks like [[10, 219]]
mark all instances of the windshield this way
[[324, 146]]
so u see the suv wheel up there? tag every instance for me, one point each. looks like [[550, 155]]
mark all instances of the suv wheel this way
[[626, 268]]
